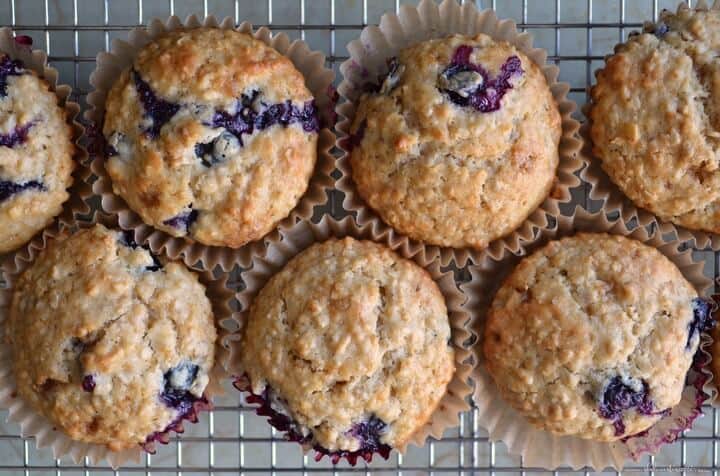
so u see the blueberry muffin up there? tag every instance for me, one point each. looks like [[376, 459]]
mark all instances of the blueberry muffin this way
[[220, 150], [592, 336], [347, 348], [36, 154], [109, 344], [656, 118], [459, 144]]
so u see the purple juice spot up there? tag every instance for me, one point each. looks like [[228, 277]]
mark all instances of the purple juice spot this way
[[368, 433], [88, 383], [8, 67], [17, 136], [183, 221], [470, 85], [8, 189], [176, 386], [620, 395], [702, 320], [24, 40], [159, 110]]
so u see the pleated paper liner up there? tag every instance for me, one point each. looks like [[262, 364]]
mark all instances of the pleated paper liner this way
[[605, 190], [542, 448], [318, 79], [368, 56], [32, 423], [36, 60], [299, 237]]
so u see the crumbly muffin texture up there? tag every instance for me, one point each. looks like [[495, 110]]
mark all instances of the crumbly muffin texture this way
[[109, 344], [220, 150], [656, 119], [36, 154], [593, 336], [459, 144], [350, 342]]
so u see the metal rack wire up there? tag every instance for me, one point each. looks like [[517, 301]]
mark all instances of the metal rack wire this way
[[231, 439]]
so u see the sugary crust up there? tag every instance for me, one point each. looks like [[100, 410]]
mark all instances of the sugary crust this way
[[256, 185], [450, 175], [579, 312], [656, 119], [89, 306], [348, 330], [46, 156]]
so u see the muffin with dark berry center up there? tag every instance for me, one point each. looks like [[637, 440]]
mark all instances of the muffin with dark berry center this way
[[458, 145], [36, 154], [593, 336], [109, 344], [347, 349], [220, 150]]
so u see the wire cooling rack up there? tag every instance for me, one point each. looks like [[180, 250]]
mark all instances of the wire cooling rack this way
[[231, 438]]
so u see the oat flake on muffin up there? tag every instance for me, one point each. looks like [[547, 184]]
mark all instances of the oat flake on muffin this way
[[36, 154], [218, 151], [656, 118], [593, 335], [459, 143], [347, 349], [112, 346]]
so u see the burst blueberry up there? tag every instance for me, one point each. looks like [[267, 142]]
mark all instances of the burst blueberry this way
[[183, 221], [88, 383], [8, 67], [369, 433], [470, 85], [159, 110], [18, 136], [8, 188], [177, 382], [620, 395], [702, 320]]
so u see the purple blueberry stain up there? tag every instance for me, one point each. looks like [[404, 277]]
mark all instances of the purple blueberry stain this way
[[8, 188], [88, 383], [622, 394], [159, 110], [470, 85], [8, 67], [189, 413], [18, 136], [183, 221], [177, 382], [702, 320], [369, 434]]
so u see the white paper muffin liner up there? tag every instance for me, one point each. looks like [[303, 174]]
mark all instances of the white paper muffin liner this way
[[368, 56], [318, 79], [36, 61], [299, 237], [542, 448], [32, 423]]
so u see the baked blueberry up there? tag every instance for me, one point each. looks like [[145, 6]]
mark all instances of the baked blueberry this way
[[702, 320], [88, 383], [159, 110], [621, 394], [8, 67], [18, 136], [183, 221], [8, 188], [176, 386], [218, 150]]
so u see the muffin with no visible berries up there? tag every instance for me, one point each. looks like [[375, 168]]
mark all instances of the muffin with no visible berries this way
[[593, 336], [219, 151], [459, 143], [109, 344], [347, 348], [36, 154]]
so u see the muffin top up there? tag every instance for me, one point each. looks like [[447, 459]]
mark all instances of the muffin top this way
[[349, 343], [220, 150], [109, 344], [593, 336], [656, 119], [459, 144], [36, 154]]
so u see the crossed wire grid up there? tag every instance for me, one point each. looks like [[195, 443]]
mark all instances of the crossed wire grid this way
[[231, 439]]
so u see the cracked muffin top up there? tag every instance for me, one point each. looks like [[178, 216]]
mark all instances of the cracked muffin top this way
[[349, 347], [109, 344], [36, 154], [656, 118], [593, 336], [459, 144], [220, 150]]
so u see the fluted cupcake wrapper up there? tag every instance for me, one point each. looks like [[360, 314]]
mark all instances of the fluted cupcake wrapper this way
[[33, 424], [36, 60], [318, 80], [542, 448], [368, 58], [295, 239]]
